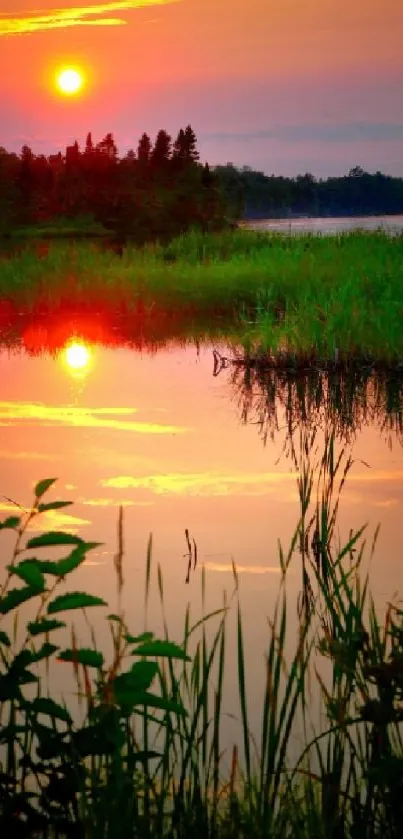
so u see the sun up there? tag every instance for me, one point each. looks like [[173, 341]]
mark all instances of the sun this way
[[69, 81], [77, 356]]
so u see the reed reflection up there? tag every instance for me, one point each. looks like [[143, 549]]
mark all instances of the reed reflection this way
[[342, 401]]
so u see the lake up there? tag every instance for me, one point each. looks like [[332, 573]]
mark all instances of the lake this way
[[183, 439], [325, 226]]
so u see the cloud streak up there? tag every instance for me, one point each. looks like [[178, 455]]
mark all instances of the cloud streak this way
[[241, 569], [209, 484], [56, 520], [50, 520], [9, 455], [51, 415], [86, 15], [115, 502], [350, 132]]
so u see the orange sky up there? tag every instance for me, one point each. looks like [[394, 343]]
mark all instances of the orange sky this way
[[282, 85]]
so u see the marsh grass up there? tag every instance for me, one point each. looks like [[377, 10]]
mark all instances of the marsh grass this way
[[147, 758], [83, 225], [302, 299]]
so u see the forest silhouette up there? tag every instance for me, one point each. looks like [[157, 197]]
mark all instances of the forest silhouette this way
[[161, 189], [253, 194]]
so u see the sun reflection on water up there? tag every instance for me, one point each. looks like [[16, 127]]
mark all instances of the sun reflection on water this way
[[77, 358]]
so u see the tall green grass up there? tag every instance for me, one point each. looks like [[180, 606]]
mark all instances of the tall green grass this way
[[145, 757], [308, 298]]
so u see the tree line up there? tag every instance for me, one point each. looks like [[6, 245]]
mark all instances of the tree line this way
[[256, 195], [160, 189]]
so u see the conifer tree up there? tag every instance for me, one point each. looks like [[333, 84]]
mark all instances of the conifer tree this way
[[26, 181], [179, 148], [89, 145], [161, 152], [107, 146], [144, 149], [185, 148], [192, 155]]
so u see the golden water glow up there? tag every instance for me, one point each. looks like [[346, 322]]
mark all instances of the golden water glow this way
[[80, 416], [70, 81], [77, 356]]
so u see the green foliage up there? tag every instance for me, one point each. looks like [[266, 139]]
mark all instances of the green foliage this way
[[73, 600], [69, 563], [54, 505], [91, 658], [52, 539], [56, 759], [162, 649], [43, 625], [15, 597], [4, 639], [43, 486], [10, 523], [29, 571], [45, 705]]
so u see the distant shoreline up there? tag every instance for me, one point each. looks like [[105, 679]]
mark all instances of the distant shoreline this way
[[261, 223]]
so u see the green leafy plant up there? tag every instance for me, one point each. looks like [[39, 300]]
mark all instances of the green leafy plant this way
[[55, 772]]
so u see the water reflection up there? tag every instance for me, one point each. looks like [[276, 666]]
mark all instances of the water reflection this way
[[49, 330], [170, 434], [77, 357], [278, 400], [151, 429], [392, 224]]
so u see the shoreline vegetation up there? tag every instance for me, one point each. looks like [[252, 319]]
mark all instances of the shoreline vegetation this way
[[293, 303], [145, 757]]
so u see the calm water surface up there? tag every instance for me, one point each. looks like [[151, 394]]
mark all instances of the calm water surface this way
[[180, 448], [390, 224]]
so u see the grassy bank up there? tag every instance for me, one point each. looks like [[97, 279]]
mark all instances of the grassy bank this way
[[146, 758], [304, 299], [82, 226]]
